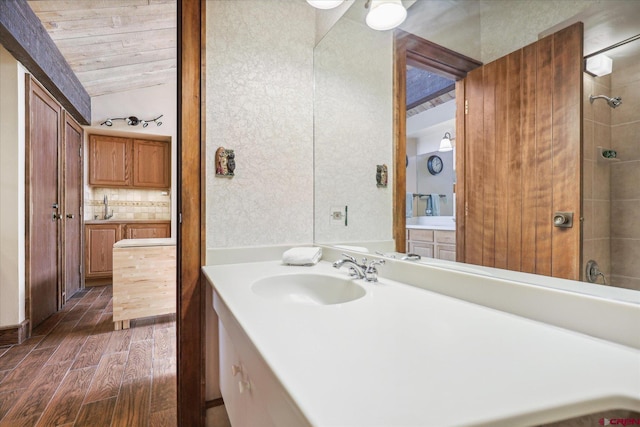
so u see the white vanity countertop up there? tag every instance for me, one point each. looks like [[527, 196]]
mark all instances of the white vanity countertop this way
[[431, 223], [405, 356]]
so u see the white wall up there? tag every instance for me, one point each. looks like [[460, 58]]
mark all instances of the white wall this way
[[353, 132], [259, 102], [12, 197], [146, 103]]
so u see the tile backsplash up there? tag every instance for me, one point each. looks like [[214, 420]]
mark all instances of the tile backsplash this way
[[128, 203]]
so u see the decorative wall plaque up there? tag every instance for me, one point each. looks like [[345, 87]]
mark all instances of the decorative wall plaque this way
[[225, 162]]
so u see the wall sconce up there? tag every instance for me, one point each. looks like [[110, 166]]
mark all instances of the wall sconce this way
[[445, 144], [134, 121], [325, 4], [385, 14], [599, 65]]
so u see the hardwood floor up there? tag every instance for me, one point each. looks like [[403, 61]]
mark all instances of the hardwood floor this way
[[76, 370]]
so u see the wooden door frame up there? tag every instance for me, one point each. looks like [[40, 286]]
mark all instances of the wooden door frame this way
[[191, 248], [411, 49]]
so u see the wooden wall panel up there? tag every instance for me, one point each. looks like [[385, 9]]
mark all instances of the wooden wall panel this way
[[523, 156], [513, 176], [489, 195], [528, 132], [460, 186], [501, 148], [474, 209], [544, 163], [567, 152]]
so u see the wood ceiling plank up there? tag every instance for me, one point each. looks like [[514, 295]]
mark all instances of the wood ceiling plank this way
[[81, 14], [118, 43], [108, 25], [103, 87], [100, 62], [49, 5], [134, 69]]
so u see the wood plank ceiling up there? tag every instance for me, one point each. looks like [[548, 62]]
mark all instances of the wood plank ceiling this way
[[114, 45]]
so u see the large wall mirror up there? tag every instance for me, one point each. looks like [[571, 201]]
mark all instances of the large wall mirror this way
[[354, 112]]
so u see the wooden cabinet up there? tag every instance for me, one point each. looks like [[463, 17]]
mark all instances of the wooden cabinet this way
[[99, 240], [440, 244], [147, 231], [110, 161], [117, 162], [151, 164], [100, 237]]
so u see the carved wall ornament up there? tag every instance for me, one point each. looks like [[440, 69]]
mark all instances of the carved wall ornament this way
[[225, 162], [382, 176]]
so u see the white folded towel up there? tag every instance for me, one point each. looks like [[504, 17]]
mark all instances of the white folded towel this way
[[302, 256]]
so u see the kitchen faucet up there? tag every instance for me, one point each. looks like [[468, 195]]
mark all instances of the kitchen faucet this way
[[106, 208]]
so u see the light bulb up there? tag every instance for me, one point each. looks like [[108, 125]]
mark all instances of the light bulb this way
[[386, 14], [325, 4]]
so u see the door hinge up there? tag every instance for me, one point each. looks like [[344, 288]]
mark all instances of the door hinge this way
[[80, 151], [466, 107], [180, 218]]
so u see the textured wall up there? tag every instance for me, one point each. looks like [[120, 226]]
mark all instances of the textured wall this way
[[596, 198], [505, 29], [353, 132], [625, 175], [259, 102]]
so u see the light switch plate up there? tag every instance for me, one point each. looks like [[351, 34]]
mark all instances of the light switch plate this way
[[337, 215]]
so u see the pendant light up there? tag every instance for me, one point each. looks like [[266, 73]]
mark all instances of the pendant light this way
[[445, 144], [385, 14], [325, 4]]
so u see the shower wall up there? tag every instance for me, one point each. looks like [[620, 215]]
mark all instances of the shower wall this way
[[625, 174], [596, 233]]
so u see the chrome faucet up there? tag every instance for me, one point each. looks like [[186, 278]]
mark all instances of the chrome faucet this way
[[360, 271], [106, 208]]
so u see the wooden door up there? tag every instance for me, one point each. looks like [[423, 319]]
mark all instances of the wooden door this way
[[109, 161], [521, 157], [72, 212], [151, 164], [42, 204]]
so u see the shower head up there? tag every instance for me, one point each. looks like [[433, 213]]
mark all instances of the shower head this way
[[613, 102]]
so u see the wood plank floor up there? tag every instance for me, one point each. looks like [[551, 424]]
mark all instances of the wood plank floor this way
[[76, 370]]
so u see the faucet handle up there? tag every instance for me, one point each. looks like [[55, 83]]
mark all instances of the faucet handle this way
[[350, 258], [371, 272]]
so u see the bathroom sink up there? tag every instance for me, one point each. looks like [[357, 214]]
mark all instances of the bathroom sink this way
[[314, 289]]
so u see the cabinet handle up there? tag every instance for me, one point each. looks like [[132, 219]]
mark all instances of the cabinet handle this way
[[235, 369], [244, 386], [71, 216]]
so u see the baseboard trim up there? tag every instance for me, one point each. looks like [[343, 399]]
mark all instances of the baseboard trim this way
[[213, 403], [14, 334]]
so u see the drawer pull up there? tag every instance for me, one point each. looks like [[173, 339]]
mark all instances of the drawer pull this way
[[235, 369]]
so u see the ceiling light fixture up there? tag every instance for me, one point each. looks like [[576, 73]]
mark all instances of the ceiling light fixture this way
[[133, 121], [445, 144], [385, 14], [325, 4], [600, 65]]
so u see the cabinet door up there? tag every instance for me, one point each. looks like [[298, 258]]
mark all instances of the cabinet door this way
[[99, 240], [422, 249], [109, 161], [147, 231], [152, 164], [447, 252]]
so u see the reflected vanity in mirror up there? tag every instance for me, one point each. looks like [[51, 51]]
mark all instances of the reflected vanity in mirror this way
[[354, 121]]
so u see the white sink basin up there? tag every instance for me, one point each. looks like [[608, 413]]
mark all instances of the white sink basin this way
[[314, 289]]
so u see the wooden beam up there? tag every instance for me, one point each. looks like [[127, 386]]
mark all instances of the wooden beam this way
[[191, 230], [22, 34]]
